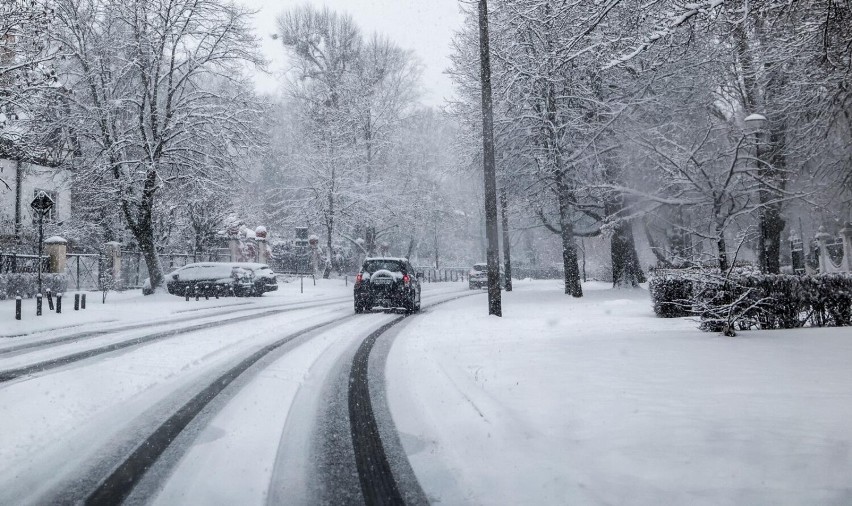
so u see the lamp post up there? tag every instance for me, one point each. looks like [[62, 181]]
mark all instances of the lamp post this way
[[41, 204], [754, 125]]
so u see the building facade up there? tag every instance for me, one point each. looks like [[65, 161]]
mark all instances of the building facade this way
[[18, 222]]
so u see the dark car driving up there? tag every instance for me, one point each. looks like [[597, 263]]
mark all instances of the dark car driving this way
[[222, 278], [387, 283]]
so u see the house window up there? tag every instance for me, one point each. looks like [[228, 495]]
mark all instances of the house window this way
[[49, 216]]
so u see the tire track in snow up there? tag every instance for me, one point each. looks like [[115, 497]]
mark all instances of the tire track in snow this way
[[120, 483], [11, 374], [373, 456], [95, 333]]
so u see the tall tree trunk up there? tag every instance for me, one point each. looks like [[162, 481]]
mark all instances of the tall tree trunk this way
[[329, 232], [507, 254], [492, 253], [570, 262], [140, 220], [722, 249], [626, 270]]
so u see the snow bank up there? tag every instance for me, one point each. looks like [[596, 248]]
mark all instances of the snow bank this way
[[596, 401]]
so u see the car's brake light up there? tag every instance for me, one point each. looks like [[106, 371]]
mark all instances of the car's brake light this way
[[406, 279], [358, 279]]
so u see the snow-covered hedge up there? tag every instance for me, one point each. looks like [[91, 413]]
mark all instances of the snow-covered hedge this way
[[672, 295], [26, 284], [754, 300]]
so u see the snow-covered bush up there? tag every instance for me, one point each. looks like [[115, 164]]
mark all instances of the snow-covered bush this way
[[672, 295], [26, 284], [779, 301], [749, 299]]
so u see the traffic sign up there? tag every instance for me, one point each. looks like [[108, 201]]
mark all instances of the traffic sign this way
[[42, 202]]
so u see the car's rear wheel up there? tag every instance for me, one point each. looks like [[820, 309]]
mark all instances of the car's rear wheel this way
[[359, 308], [410, 304]]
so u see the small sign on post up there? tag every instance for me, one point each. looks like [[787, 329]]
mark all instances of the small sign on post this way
[[41, 204]]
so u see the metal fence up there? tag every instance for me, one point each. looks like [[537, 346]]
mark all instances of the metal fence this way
[[444, 274], [14, 263], [84, 270]]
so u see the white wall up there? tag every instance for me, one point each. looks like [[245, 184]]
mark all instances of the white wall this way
[[35, 177]]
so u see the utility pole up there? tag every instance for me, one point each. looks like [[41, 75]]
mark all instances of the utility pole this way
[[507, 257], [492, 253]]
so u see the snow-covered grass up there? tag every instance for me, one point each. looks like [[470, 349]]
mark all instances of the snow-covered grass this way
[[596, 401], [132, 306]]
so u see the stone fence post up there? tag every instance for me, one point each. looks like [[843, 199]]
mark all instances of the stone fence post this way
[[262, 246], [846, 232], [824, 261], [56, 248], [234, 243], [112, 250]]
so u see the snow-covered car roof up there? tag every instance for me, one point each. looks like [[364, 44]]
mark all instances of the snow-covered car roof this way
[[398, 259], [213, 270], [245, 265]]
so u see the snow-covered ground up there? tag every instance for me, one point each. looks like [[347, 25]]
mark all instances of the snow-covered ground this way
[[577, 401], [131, 306], [596, 401]]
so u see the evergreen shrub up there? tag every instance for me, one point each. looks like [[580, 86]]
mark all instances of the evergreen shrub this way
[[745, 300], [672, 295]]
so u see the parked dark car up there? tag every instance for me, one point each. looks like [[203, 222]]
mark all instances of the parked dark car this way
[[224, 278], [478, 276], [387, 283]]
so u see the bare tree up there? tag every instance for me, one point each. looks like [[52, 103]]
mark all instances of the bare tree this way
[[157, 100]]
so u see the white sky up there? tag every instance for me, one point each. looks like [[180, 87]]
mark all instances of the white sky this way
[[423, 26]]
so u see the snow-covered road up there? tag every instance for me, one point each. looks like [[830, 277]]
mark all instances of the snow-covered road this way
[[582, 401], [73, 425]]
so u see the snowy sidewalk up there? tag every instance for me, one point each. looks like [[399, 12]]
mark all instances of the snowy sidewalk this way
[[596, 401], [131, 306]]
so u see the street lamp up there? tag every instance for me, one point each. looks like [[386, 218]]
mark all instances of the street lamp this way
[[754, 123]]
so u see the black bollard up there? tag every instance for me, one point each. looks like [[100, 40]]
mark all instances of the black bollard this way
[[38, 304], [186, 292], [301, 284], [83, 301], [76, 302], [17, 308], [207, 292], [58, 302], [197, 294], [49, 299], [216, 291], [315, 279]]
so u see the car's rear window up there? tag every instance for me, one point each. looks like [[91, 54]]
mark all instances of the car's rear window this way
[[480, 267], [372, 266]]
